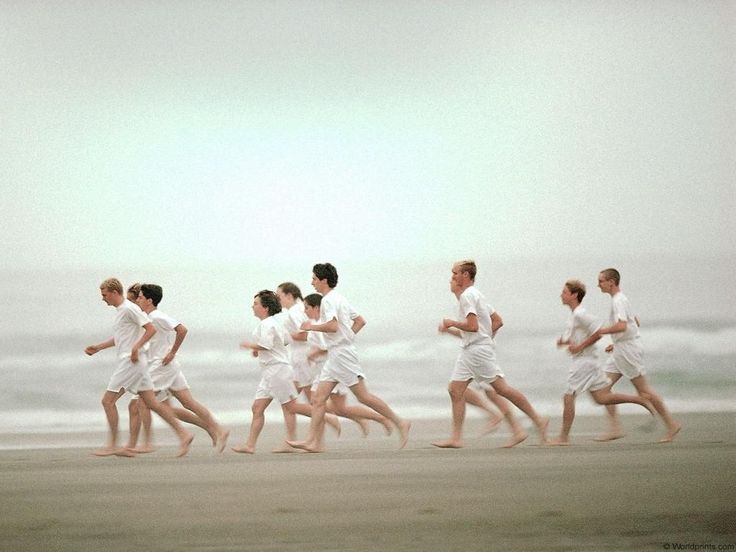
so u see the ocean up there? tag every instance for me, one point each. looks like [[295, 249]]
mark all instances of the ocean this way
[[51, 386]]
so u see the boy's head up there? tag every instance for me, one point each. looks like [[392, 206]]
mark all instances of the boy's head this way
[[152, 292], [609, 280], [133, 292], [576, 289], [288, 293], [312, 303], [326, 273], [112, 292], [266, 303]]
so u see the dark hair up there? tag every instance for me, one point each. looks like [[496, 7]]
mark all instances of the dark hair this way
[[269, 300], [291, 289], [327, 272], [313, 300], [153, 292], [612, 274]]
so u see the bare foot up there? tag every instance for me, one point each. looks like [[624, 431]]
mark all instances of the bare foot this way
[[245, 449], [404, 428], [387, 427], [106, 451], [332, 421], [143, 449], [125, 453], [306, 446], [674, 430], [542, 428], [363, 423], [610, 436], [559, 442], [186, 442], [449, 443], [222, 440], [285, 449], [516, 438], [492, 425]]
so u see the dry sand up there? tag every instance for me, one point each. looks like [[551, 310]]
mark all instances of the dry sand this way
[[363, 494]]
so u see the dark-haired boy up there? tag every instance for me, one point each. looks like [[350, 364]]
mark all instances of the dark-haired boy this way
[[165, 371], [277, 376], [339, 323]]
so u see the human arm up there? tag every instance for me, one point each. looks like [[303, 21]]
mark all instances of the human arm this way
[[451, 331], [496, 323], [181, 333], [327, 327], [618, 327], [148, 332], [470, 324], [92, 349], [575, 348], [358, 324]]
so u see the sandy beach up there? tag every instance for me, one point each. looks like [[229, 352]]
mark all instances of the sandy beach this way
[[364, 494]]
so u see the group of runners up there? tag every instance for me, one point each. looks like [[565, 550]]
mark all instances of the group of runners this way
[[305, 346]]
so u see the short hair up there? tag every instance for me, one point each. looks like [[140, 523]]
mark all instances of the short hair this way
[[612, 274], [468, 265], [134, 290], [325, 271], [577, 288], [153, 292], [291, 289], [112, 284], [269, 300], [313, 300]]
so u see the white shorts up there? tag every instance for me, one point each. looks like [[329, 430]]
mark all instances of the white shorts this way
[[342, 366], [304, 372], [627, 359], [476, 362], [166, 379], [586, 375], [277, 382], [133, 377]]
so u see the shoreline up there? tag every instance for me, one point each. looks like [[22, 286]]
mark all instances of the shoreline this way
[[365, 494]]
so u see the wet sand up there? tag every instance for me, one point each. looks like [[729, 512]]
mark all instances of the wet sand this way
[[364, 494]]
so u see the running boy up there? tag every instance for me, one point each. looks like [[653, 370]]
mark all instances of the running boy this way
[[277, 377], [477, 360], [627, 358], [340, 323], [585, 373], [165, 371], [131, 331]]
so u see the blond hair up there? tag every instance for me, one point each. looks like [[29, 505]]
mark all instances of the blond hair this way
[[467, 265], [577, 288], [112, 284]]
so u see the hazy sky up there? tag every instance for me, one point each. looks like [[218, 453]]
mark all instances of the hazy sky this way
[[199, 132]]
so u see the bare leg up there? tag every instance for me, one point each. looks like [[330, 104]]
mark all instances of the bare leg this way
[[147, 422], [256, 425], [314, 441], [167, 414], [204, 416], [645, 391], [518, 434], [521, 402], [615, 430], [605, 397], [457, 390], [372, 401], [359, 414], [289, 413], [568, 415], [109, 405], [134, 421], [306, 410], [474, 398]]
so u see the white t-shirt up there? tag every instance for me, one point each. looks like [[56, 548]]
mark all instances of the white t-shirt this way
[[472, 301], [271, 335], [621, 311], [128, 327], [163, 339], [292, 323], [335, 307], [581, 326]]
